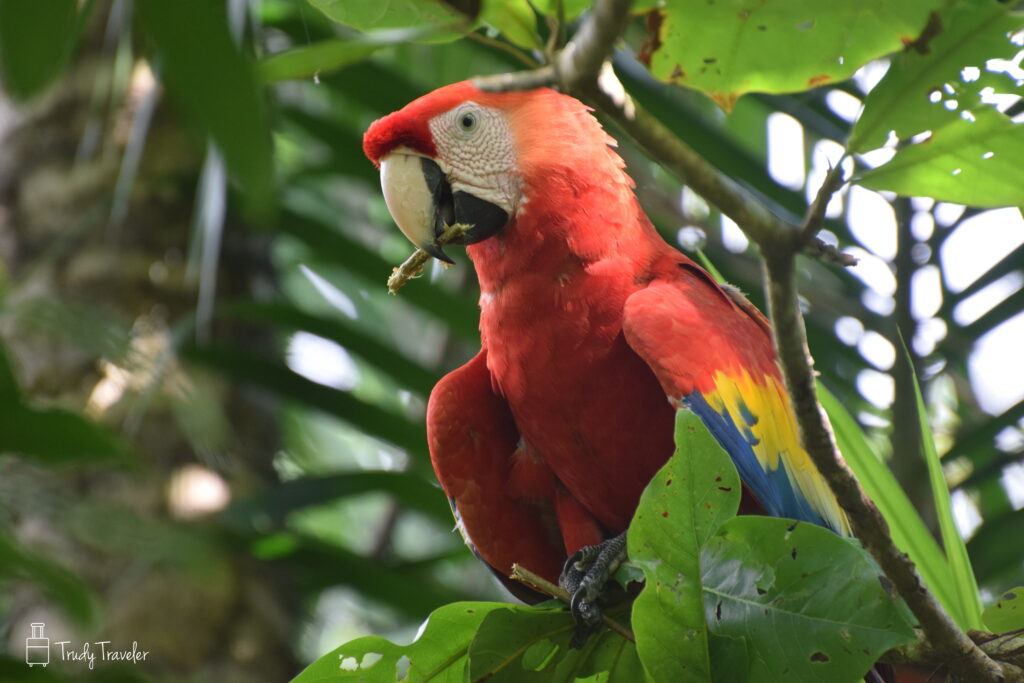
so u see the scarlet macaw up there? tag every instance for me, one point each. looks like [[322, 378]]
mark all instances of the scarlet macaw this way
[[594, 331]]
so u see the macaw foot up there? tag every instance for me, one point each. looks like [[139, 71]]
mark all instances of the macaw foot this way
[[584, 577]]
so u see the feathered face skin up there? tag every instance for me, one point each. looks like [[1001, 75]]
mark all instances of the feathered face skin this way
[[447, 160]]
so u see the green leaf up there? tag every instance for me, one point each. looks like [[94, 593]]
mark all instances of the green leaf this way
[[55, 436], [459, 312], [1007, 614], [515, 19], [908, 530], [515, 643], [84, 324], [439, 654], [532, 644], [364, 16], [969, 34], [273, 505], [732, 47], [350, 335], [285, 383], [968, 603], [36, 39], [691, 496], [307, 61], [320, 565], [61, 586], [806, 603], [571, 8], [710, 267], [216, 85], [996, 562], [9, 391], [968, 162]]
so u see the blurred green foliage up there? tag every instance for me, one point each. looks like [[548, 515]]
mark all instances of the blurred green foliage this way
[[340, 511]]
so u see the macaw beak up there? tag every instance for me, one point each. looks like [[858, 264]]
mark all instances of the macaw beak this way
[[422, 203]]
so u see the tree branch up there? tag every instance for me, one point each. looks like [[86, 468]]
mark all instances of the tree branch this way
[[816, 211], [524, 575], [577, 69], [960, 653]]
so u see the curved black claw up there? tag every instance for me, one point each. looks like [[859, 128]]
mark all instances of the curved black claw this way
[[584, 576]]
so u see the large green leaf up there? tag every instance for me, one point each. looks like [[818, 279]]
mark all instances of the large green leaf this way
[[908, 530], [212, 80], [36, 39], [776, 596], [439, 654], [732, 47], [969, 34], [685, 503], [970, 161], [797, 600]]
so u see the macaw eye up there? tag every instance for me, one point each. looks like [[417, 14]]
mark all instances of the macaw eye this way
[[467, 122]]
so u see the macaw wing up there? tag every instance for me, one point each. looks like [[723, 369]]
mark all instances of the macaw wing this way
[[473, 442], [715, 358]]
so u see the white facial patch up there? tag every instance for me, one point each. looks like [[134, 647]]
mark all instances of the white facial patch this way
[[475, 149]]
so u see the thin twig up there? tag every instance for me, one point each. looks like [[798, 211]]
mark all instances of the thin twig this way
[[517, 80], [524, 575], [816, 211], [412, 267], [528, 61]]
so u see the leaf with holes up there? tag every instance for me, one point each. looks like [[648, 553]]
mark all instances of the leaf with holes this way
[[924, 83], [690, 497], [968, 162], [801, 602], [438, 654], [732, 47], [1007, 614]]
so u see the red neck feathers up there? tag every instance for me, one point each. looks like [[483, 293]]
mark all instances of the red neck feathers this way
[[577, 211]]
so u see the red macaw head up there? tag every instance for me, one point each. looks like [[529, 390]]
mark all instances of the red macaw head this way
[[461, 155]]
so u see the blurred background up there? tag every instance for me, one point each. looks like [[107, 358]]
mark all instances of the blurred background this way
[[212, 438]]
